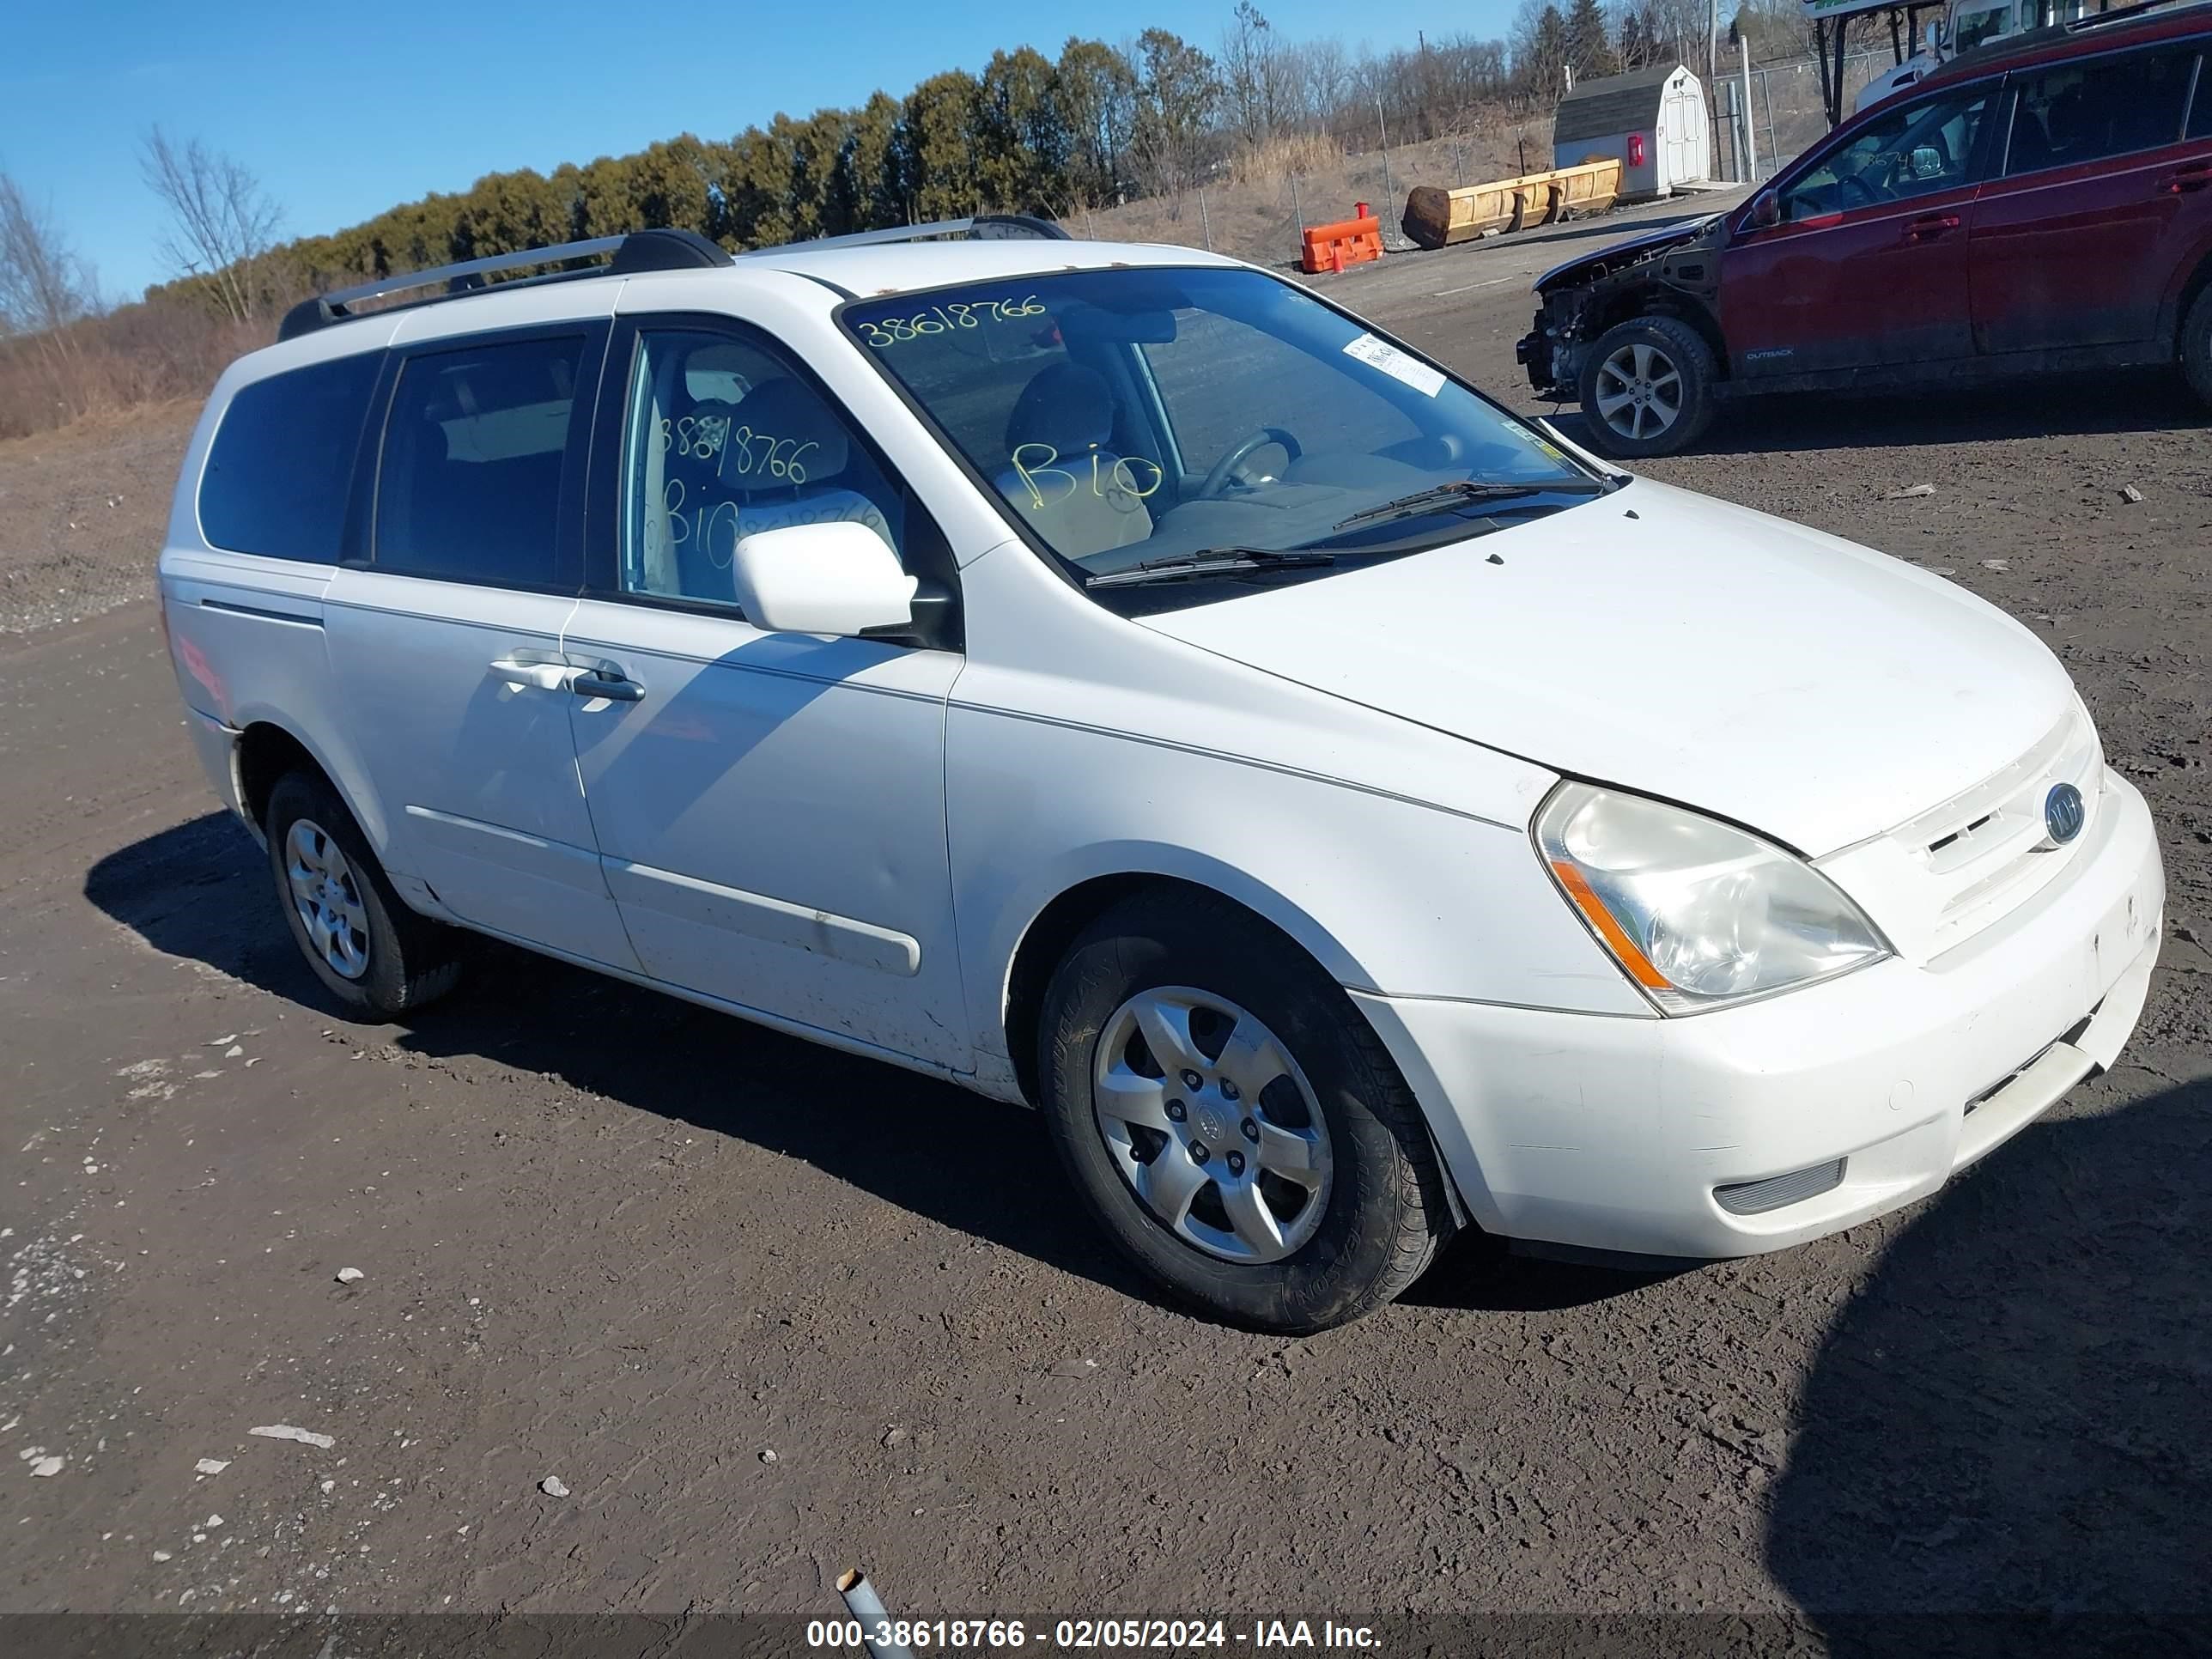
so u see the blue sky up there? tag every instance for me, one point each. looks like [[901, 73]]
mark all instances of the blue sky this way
[[345, 112]]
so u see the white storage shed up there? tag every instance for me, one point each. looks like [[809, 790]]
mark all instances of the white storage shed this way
[[1652, 121]]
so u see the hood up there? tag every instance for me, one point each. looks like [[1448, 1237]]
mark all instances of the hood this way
[[1810, 689], [1591, 266]]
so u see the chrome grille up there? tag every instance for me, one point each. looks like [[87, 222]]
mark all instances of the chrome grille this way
[[1940, 878]]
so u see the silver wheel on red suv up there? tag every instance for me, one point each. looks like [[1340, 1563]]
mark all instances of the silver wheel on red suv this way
[[1647, 387]]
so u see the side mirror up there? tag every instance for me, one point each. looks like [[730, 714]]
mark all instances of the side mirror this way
[[1927, 162], [1766, 210], [839, 578]]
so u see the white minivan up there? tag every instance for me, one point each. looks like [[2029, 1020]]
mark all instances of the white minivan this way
[[1122, 680]]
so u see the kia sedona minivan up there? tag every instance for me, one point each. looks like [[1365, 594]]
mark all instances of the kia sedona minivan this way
[[1118, 679]]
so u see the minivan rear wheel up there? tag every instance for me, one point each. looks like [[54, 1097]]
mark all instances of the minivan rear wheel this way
[[375, 956], [1233, 1120], [1647, 388]]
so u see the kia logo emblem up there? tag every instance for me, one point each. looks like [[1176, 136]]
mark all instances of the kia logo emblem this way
[[2063, 812]]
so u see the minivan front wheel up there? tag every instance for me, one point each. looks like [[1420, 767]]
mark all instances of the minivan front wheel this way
[[1647, 387], [375, 956], [1233, 1120]]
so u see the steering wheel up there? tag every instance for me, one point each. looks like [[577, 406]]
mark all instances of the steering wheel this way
[[1867, 194], [1259, 438]]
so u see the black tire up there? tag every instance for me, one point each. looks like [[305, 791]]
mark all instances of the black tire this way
[[1691, 360], [1384, 1210], [410, 960], [2197, 346]]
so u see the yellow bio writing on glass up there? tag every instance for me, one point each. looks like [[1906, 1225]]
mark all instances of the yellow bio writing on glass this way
[[1034, 465]]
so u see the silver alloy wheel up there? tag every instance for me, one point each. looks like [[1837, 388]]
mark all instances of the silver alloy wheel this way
[[1639, 390], [1213, 1124], [327, 895]]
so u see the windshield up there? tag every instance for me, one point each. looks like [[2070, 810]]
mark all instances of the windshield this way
[[1970, 29], [1173, 423]]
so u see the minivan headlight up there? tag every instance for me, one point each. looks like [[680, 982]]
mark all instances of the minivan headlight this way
[[1698, 913]]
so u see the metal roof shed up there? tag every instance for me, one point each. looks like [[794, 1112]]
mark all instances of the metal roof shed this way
[[1653, 122]]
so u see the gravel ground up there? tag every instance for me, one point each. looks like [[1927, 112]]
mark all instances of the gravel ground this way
[[766, 1311], [81, 515]]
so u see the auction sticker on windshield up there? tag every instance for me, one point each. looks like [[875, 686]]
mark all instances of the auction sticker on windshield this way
[[1381, 353]]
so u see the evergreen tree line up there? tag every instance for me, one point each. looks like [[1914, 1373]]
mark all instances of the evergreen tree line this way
[[1100, 123]]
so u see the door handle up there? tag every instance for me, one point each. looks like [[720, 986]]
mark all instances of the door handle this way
[[609, 681], [2194, 176], [541, 675], [1929, 226]]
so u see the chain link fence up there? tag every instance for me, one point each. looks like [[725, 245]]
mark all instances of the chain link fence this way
[[1787, 115]]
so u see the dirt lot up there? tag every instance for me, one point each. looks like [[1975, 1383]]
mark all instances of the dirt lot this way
[[767, 1311]]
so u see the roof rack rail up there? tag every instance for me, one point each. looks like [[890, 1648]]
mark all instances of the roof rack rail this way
[[2115, 14], [1994, 55], [982, 227], [640, 250]]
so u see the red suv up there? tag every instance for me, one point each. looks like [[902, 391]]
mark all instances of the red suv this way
[[2042, 204]]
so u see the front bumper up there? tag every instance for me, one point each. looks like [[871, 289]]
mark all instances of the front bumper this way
[[1617, 1135], [1533, 351]]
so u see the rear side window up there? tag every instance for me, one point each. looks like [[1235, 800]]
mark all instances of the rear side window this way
[[277, 472], [2200, 107], [2085, 111], [470, 484]]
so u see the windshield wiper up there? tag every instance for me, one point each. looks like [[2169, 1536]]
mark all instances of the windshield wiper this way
[[1209, 562], [1467, 489]]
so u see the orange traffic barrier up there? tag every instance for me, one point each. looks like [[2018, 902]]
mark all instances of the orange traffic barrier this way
[[1347, 242]]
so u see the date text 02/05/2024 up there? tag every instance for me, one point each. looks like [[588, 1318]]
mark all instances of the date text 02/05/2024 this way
[[1157, 1635]]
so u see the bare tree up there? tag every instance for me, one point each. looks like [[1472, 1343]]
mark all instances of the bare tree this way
[[44, 286], [221, 221], [1325, 77], [45, 289]]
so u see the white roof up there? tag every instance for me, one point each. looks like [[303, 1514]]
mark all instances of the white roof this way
[[865, 272], [884, 268]]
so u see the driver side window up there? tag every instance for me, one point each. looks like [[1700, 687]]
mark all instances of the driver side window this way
[[1902, 153], [725, 439]]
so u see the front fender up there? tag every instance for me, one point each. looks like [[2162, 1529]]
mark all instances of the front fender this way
[[1387, 894]]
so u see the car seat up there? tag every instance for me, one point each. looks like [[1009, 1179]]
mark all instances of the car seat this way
[[1063, 479], [783, 458], [789, 460], [2031, 142], [2068, 122], [445, 508]]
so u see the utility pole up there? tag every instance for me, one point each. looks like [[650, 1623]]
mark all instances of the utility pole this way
[[1750, 136], [1389, 191]]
